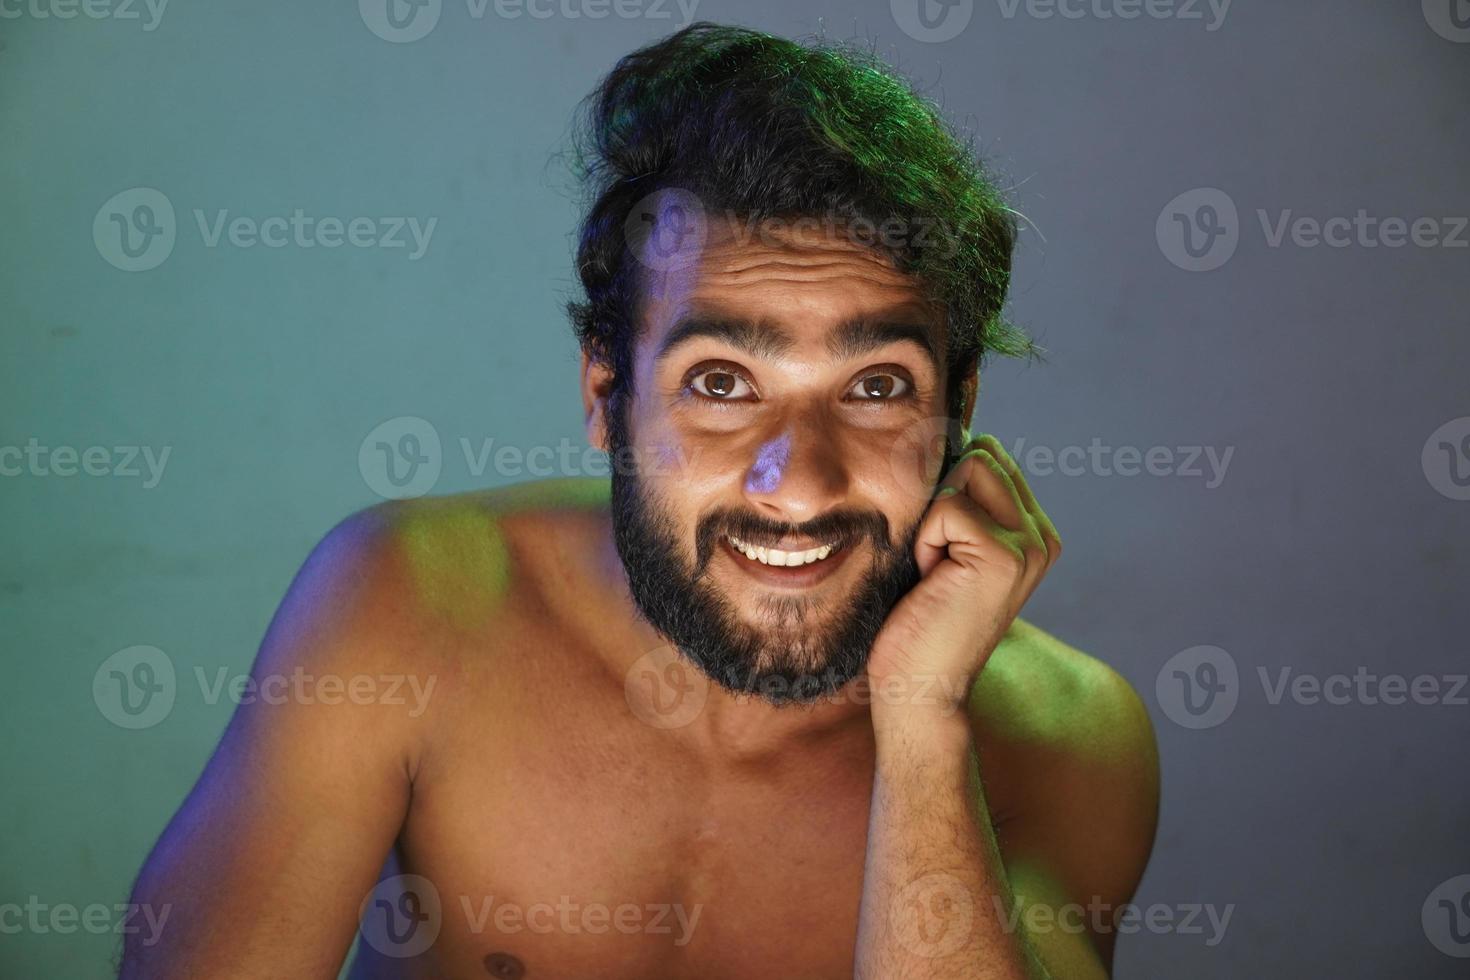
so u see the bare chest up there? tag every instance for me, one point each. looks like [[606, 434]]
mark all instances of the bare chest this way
[[610, 854]]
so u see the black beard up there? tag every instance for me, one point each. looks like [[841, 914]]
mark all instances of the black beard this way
[[789, 663]]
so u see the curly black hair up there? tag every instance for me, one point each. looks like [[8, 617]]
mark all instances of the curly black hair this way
[[764, 127]]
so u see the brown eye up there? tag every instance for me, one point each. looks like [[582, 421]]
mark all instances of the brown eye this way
[[879, 387], [721, 385]]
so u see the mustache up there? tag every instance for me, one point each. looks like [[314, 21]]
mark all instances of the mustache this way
[[842, 527]]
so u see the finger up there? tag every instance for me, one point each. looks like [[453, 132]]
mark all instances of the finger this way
[[986, 481], [1044, 524], [1013, 470], [958, 527]]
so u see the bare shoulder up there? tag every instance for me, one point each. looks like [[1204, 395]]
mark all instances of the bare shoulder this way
[[453, 562], [1038, 691], [1070, 766]]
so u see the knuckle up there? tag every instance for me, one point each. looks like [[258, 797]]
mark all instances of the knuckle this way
[[987, 459], [1012, 556], [1036, 550]]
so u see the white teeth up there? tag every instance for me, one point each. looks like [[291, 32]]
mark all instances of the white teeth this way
[[775, 556]]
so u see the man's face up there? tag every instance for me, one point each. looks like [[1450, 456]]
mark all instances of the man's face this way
[[788, 390]]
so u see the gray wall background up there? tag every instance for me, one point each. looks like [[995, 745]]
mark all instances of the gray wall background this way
[[1334, 544]]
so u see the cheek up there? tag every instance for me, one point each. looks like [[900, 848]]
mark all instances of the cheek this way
[[899, 469], [688, 470]]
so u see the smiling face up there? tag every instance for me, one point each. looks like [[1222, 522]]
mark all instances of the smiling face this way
[[787, 395]]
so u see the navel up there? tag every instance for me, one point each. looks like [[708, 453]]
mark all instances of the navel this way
[[505, 966]]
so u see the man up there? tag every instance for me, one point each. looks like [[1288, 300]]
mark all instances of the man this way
[[763, 706]]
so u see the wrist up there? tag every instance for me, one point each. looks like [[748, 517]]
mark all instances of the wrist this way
[[914, 697], [908, 729]]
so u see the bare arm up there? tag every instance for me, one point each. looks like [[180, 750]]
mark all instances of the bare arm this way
[[935, 896], [982, 548], [262, 870], [947, 895]]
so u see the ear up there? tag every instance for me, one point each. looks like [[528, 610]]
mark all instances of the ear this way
[[969, 390], [597, 378]]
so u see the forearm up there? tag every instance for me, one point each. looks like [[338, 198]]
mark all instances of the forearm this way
[[935, 903]]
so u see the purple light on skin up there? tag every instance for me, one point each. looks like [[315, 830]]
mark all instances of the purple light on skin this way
[[765, 473]]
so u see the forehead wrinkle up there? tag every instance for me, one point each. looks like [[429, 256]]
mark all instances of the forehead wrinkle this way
[[875, 273], [710, 306], [833, 295], [737, 256]]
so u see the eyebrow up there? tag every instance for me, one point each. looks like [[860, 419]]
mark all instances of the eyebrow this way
[[767, 341]]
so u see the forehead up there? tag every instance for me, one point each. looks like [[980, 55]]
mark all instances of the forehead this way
[[803, 277]]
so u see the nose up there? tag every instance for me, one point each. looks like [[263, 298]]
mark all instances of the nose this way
[[797, 474]]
